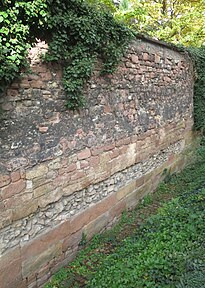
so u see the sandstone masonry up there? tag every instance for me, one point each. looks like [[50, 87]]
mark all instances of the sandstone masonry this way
[[65, 173]]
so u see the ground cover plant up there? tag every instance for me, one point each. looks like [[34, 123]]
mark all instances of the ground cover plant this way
[[159, 244]]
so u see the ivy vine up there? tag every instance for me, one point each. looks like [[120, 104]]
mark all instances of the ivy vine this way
[[20, 24], [78, 34]]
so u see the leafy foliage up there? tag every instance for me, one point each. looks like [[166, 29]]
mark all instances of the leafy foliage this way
[[20, 23], [77, 33], [158, 254], [174, 21]]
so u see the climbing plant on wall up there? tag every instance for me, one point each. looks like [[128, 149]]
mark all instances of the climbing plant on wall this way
[[20, 22], [77, 32], [80, 34]]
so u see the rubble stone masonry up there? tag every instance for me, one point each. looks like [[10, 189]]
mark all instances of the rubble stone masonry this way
[[65, 173]]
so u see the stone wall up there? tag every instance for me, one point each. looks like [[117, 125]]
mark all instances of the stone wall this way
[[65, 173]]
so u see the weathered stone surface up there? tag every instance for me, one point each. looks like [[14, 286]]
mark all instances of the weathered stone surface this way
[[72, 241], [15, 176], [61, 204], [5, 218], [24, 210], [4, 180], [44, 189], [39, 245], [62, 173], [96, 225], [10, 269], [117, 209], [13, 189], [133, 198], [31, 265], [36, 172], [84, 154]]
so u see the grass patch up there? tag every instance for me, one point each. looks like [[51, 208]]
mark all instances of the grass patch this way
[[158, 244]]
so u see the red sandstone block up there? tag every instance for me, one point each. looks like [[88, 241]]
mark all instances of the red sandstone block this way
[[145, 56], [21, 284], [101, 149], [72, 167], [10, 269], [16, 200], [41, 243], [24, 210], [122, 142], [117, 209], [13, 189], [84, 154], [123, 149], [61, 179], [2, 207], [72, 241], [36, 84], [94, 161], [12, 92], [25, 85], [84, 218], [33, 284], [43, 271], [114, 153], [5, 218], [57, 265], [77, 175], [31, 265], [97, 225], [135, 59], [39, 69], [107, 109], [15, 176], [4, 180], [33, 77], [46, 76], [108, 147], [32, 281], [96, 151]]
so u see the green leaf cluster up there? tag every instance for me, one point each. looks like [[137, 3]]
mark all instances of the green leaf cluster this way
[[173, 21], [160, 252], [78, 33], [20, 23]]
